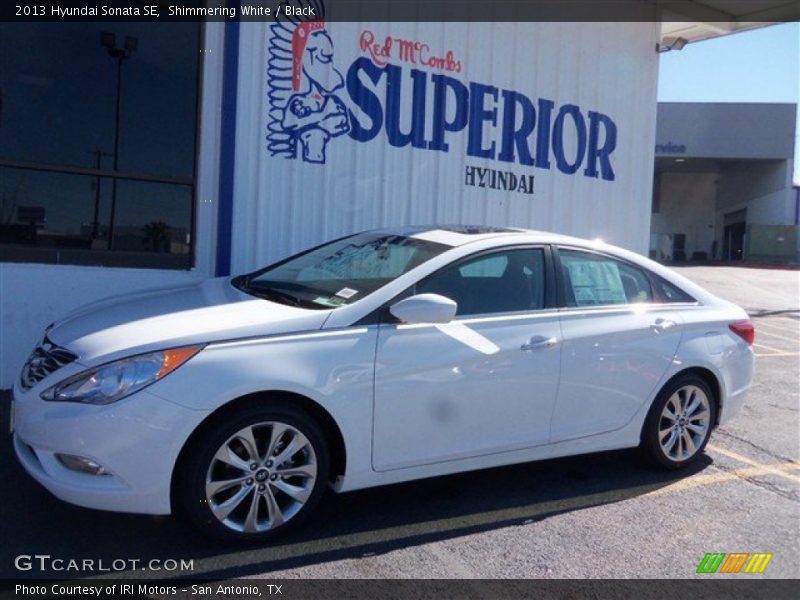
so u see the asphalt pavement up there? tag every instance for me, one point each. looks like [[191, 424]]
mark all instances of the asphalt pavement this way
[[603, 515]]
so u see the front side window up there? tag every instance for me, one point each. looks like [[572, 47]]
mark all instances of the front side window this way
[[597, 280], [98, 126], [341, 272], [507, 281]]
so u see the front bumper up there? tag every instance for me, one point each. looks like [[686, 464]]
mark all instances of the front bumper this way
[[137, 440]]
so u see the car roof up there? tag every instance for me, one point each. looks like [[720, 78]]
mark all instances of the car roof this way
[[459, 235]]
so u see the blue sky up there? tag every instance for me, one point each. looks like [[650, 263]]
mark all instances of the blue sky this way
[[761, 65]]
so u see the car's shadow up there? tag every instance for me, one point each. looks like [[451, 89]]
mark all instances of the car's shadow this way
[[345, 526]]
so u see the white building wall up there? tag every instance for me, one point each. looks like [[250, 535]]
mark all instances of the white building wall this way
[[33, 296], [283, 205]]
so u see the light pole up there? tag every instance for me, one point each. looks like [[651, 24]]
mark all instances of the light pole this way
[[98, 154], [109, 42]]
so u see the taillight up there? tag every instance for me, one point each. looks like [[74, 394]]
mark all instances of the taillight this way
[[744, 330]]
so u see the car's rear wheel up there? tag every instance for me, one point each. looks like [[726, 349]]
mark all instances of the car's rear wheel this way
[[255, 474], [680, 422]]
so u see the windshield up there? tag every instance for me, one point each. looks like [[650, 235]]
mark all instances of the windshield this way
[[340, 272]]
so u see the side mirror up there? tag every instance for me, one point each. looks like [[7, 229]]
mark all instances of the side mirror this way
[[425, 308]]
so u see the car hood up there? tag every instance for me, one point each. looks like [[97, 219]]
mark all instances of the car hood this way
[[212, 310]]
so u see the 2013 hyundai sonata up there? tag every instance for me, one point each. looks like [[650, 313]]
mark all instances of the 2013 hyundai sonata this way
[[380, 357]]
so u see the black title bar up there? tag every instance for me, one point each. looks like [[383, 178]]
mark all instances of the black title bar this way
[[720, 11]]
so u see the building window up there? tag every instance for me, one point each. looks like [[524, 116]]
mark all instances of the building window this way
[[98, 135]]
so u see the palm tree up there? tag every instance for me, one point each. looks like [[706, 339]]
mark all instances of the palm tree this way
[[156, 236]]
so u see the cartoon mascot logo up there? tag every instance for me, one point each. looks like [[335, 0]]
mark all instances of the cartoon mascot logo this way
[[305, 112]]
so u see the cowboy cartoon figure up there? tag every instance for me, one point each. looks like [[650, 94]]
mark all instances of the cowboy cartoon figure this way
[[305, 112]]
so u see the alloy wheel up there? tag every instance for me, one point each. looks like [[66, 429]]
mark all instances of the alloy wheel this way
[[685, 423], [261, 477]]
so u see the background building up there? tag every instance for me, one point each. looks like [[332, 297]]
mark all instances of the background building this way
[[723, 183], [134, 156]]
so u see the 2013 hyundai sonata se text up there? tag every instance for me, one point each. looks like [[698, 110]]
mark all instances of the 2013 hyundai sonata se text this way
[[381, 357]]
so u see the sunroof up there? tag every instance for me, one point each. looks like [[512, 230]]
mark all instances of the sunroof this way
[[476, 229], [460, 229]]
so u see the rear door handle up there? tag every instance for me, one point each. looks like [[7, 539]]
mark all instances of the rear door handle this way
[[538, 342], [660, 325]]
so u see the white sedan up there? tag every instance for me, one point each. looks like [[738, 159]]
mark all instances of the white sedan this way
[[381, 357]]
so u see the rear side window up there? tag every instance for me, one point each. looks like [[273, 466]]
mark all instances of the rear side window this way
[[670, 293], [505, 281], [596, 280]]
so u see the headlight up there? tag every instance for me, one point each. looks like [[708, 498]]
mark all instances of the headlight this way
[[113, 381]]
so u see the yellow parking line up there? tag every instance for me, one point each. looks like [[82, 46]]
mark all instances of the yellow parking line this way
[[528, 514], [705, 479], [774, 469]]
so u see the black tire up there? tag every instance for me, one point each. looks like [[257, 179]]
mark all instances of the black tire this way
[[190, 482], [654, 423]]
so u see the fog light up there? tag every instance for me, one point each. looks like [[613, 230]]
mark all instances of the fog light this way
[[81, 464]]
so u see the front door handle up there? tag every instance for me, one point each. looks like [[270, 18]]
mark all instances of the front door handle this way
[[660, 325], [538, 342]]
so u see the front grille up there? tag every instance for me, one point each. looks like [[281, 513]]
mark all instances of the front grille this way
[[45, 359]]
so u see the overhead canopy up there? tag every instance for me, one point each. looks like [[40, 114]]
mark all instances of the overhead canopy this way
[[696, 20]]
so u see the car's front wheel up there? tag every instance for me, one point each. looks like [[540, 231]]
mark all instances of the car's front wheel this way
[[680, 422], [254, 474]]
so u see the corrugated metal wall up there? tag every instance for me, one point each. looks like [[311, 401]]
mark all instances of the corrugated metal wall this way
[[282, 205]]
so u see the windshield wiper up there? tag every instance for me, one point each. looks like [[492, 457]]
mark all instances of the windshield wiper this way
[[269, 293], [244, 283], [290, 298]]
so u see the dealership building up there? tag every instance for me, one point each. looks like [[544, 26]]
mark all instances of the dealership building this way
[[134, 156], [723, 186]]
